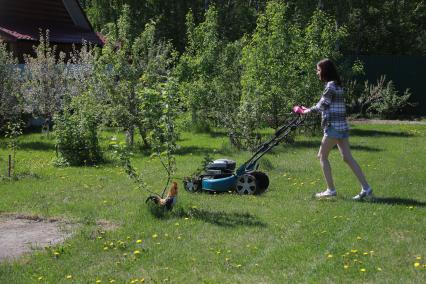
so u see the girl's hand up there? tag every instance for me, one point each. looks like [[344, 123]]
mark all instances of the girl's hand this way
[[301, 109]]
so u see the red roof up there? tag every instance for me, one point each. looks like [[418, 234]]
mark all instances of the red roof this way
[[22, 20]]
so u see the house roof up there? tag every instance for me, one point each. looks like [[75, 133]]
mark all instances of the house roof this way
[[22, 21]]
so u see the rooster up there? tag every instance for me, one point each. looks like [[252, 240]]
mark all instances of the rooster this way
[[170, 199]]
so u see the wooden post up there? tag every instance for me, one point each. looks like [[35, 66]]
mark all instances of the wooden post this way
[[10, 165]]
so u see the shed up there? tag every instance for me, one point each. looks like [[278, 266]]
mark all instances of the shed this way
[[21, 21]]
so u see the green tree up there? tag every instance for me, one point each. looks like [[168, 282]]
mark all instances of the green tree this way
[[11, 106], [279, 61], [44, 80]]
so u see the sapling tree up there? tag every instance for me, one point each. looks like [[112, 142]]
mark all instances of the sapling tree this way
[[13, 132], [78, 122], [11, 106], [209, 74], [155, 60], [44, 80], [198, 69]]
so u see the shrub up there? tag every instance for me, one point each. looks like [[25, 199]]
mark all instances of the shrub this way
[[383, 99], [76, 132]]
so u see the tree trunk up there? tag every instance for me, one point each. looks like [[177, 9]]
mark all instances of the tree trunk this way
[[130, 134]]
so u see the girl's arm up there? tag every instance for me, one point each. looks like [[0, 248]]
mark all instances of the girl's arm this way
[[324, 102]]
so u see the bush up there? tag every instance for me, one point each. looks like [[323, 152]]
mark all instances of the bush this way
[[76, 132], [383, 99]]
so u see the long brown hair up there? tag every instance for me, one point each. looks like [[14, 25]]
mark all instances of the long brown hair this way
[[329, 71]]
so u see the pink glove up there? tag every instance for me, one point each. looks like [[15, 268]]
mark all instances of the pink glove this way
[[300, 109]]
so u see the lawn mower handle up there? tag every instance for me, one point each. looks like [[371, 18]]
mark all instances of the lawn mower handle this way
[[282, 133]]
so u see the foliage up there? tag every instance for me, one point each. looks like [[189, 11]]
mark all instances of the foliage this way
[[383, 99], [76, 132], [164, 135], [10, 99], [280, 59], [155, 59], [132, 63], [44, 80], [12, 133], [209, 75], [198, 68]]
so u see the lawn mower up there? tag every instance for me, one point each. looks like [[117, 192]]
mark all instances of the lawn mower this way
[[220, 175]]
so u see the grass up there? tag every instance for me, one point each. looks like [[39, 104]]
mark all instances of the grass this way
[[282, 236]]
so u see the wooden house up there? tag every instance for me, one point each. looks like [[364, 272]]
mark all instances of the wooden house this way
[[22, 20]]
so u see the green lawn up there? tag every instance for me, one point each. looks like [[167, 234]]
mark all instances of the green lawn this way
[[282, 236]]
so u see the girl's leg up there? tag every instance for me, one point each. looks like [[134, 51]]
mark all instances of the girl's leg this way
[[326, 145], [345, 151]]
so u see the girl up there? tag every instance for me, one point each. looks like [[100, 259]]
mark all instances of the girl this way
[[336, 130]]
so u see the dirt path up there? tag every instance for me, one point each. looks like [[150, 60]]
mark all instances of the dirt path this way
[[22, 234]]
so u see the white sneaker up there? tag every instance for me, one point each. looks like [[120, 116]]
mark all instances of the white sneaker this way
[[326, 193], [364, 194]]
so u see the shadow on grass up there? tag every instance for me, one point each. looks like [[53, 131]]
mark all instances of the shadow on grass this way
[[220, 218], [398, 201], [314, 144], [392, 201], [37, 146], [368, 133]]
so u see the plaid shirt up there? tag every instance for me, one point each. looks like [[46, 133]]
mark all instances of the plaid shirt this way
[[332, 107]]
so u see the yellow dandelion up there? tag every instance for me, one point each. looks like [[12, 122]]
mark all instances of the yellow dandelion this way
[[98, 281], [379, 269], [139, 241], [69, 277], [330, 256], [40, 278], [136, 252], [186, 218], [154, 236], [354, 251], [416, 264], [105, 248], [358, 238], [345, 266], [365, 253], [56, 253], [362, 270]]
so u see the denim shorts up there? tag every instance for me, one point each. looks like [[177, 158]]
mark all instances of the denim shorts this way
[[333, 133]]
